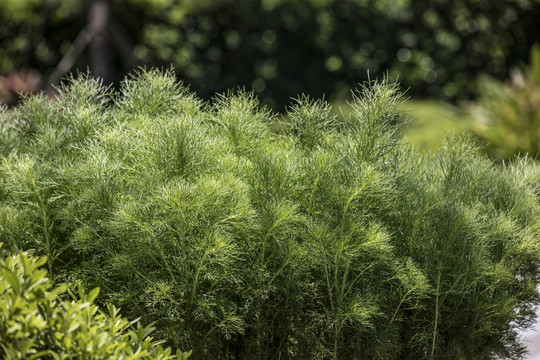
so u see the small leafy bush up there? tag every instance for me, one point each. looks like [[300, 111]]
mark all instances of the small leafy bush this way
[[321, 239], [507, 116], [35, 323]]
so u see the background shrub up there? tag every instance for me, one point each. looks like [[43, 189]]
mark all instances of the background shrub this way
[[281, 48], [507, 116], [325, 238]]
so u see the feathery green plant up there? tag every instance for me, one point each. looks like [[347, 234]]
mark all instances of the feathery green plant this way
[[323, 239]]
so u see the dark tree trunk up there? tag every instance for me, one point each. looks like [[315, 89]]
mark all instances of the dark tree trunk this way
[[99, 48]]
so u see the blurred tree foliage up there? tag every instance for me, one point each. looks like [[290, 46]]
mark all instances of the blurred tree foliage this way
[[284, 47]]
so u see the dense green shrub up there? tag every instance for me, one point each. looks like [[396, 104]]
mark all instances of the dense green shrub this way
[[327, 239], [36, 324], [507, 116]]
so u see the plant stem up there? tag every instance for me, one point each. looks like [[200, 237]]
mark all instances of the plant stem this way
[[436, 314]]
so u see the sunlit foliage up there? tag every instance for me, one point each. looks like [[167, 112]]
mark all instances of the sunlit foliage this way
[[245, 235]]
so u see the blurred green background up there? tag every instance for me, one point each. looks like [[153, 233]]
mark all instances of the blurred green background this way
[[444, 53]]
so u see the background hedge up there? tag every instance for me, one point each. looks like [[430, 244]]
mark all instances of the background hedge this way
[[281, 48]]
